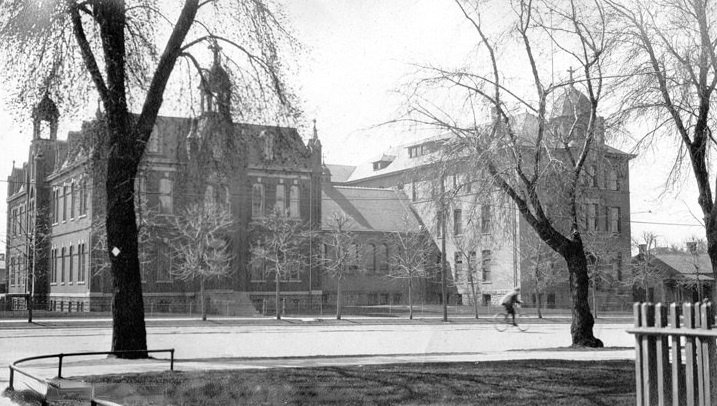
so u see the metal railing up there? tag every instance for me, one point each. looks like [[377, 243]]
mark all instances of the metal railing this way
[[675, 358], [14, 368]]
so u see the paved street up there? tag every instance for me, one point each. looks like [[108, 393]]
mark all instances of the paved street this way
[[325, 342]]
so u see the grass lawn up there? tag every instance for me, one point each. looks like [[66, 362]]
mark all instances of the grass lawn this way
[[529, 382]]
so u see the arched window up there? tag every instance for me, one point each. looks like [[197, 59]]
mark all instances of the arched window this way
[[382, 257], [370, 257]]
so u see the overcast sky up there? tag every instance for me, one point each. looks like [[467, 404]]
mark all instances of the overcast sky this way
[[357, 54]]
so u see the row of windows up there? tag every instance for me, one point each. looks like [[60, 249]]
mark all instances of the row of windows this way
[[486, 260], [69, 264], [286, 200], [611, 218], [485, 221], [426, 190], [612, 180], [70, 201]]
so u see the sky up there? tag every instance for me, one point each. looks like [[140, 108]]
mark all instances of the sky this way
[[357, 53]]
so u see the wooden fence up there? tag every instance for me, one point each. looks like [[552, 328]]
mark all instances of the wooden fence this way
[[675, 359]]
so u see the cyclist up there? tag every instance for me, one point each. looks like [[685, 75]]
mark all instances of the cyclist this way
[[509, 300]]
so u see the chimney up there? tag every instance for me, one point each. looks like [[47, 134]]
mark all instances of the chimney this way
[[692, 247], [642, 249]]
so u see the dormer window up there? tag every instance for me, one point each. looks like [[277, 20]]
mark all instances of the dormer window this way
[[418, 150], [414, 151]]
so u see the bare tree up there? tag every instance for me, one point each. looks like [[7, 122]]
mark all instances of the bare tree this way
[[29, 242], [341, 254], [522, 155], [543, 272], [202, 245], [62, 47], [670, 79], [642, 273], [280, 248], [412, 257]]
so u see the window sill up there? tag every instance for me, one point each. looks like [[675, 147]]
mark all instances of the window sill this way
[[164, 281]]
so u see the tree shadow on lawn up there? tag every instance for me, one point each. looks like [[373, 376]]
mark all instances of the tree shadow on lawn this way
[[523, 382]]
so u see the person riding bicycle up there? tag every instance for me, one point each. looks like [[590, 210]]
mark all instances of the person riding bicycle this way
[[509, 300]]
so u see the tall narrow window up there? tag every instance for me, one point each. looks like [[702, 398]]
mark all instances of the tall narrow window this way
[[385, 255], [12, 271], [353, 255], [458, 264], [592, 176], [257, 200], [65, 206], [485, 219], [53, 266], [370, 257], [73, 200], [80, 262], [457, 222], [612, 183], [55, 205], [592, 223], [280, 205], [62, 265], [166, 196], [294, 201], [614, 219], [486, 265], [83, 197], [71, 268]]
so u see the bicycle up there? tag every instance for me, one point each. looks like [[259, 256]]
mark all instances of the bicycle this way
[[502, 320]]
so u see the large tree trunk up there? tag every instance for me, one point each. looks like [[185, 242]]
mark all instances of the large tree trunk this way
[[128, 328], [581, 328]]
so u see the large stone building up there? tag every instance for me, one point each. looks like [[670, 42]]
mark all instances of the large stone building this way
[[56, 203], [56, 211], [489, 246]]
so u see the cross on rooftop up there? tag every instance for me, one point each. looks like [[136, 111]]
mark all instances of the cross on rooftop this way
[[571, 71]]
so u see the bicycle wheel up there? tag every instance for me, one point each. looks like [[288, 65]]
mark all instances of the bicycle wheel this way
[[500, 321]]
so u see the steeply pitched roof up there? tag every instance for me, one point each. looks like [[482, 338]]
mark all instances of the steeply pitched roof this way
[[370, 209], [340, 173]]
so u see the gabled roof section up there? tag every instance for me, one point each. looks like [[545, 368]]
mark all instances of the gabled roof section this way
[[370, 209], [685, 265], [340, 173]]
